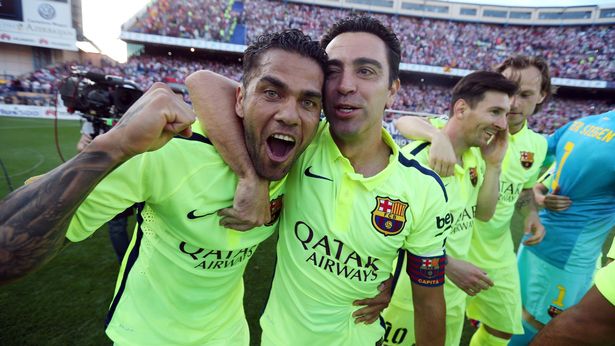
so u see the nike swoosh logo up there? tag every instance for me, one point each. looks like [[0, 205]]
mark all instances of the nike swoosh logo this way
[[312, 175], [192, 216]]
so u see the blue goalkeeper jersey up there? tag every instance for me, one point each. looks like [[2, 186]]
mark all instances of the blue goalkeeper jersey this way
[[584, 171]]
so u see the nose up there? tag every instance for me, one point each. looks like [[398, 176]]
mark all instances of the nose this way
[[346, 83], [501, 122], [288, 113], [513, 102]]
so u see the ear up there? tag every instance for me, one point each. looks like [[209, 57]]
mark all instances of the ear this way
[[543, 95], [239, 95], [460, 108], [393, 92]]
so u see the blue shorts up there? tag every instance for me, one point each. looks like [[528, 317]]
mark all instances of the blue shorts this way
[[546, 290]]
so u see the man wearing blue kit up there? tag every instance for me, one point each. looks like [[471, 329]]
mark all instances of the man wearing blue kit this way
[[556, 273]]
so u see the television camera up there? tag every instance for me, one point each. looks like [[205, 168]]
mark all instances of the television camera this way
[[101, 99]]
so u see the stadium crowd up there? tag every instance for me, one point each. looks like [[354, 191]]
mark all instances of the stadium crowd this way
[[582, 52], [38, 87], [494, 162], [198, 19]]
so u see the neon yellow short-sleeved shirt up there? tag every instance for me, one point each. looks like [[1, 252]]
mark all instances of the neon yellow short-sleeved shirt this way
[[611, 253], [605, 282], [547, 178], [492, 245], [181, 280], [462, 189], [339, 235]]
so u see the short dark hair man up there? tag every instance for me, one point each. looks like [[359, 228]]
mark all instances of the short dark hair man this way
[[182, 279], [477, 130], [352, 201]]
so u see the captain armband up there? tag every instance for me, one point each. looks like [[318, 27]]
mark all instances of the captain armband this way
[[426, 271]]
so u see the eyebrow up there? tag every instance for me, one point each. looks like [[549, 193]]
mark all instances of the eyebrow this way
[[279, 84], [312, 94], [274, 81], [367, 61], [496, 108], [357, 61]]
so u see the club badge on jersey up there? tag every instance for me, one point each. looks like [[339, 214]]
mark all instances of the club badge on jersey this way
[[527, 159], [275, 208], [389, 215], [473, 175], [554, 311]]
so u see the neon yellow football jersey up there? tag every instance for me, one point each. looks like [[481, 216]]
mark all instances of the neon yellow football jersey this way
[[462, 189], [181, 280], [492, 245], [339, 235], [605, 282]]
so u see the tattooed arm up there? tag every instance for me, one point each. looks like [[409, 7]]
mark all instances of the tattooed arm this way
[[34, 218]]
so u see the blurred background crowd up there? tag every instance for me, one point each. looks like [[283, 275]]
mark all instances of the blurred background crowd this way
[[583, 52]]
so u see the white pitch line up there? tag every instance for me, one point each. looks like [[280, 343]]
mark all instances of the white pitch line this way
[[41, 159]]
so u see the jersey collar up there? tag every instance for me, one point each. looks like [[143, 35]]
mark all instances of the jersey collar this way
[[520, 133], [369, 183]]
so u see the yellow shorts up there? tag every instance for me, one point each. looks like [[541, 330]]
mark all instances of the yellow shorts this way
[[399, 319], [499, 307]]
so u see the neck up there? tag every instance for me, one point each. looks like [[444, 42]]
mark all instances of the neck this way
[[455, 135], [514, 129], [368, 155]]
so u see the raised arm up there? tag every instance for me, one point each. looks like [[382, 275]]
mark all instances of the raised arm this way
[[34, 218], [441, 154], [214, 100], [493, 154]]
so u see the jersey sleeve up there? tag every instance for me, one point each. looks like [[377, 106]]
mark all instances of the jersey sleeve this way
[[430, 228], [438, 123], [539, 159], [426, 257], [122, 188], [611, 253], [605, 282], [547, 178]]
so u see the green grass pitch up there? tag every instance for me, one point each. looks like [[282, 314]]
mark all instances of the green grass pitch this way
[[65, 302]]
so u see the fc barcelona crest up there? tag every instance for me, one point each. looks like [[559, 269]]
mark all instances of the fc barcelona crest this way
[[389, 216], [553, 311], [473, 176], [275, 208], [430, 266], [527, 159]]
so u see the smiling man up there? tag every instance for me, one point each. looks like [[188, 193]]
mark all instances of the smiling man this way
[[477, 130], [353, 203], [499, 308], [181, 282]]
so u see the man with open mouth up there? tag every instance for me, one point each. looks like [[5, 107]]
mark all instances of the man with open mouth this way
[[353, 204], [181, 280]]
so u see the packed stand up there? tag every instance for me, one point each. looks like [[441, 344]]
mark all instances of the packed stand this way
[[210, 20], [39, 87], [584, 52]]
